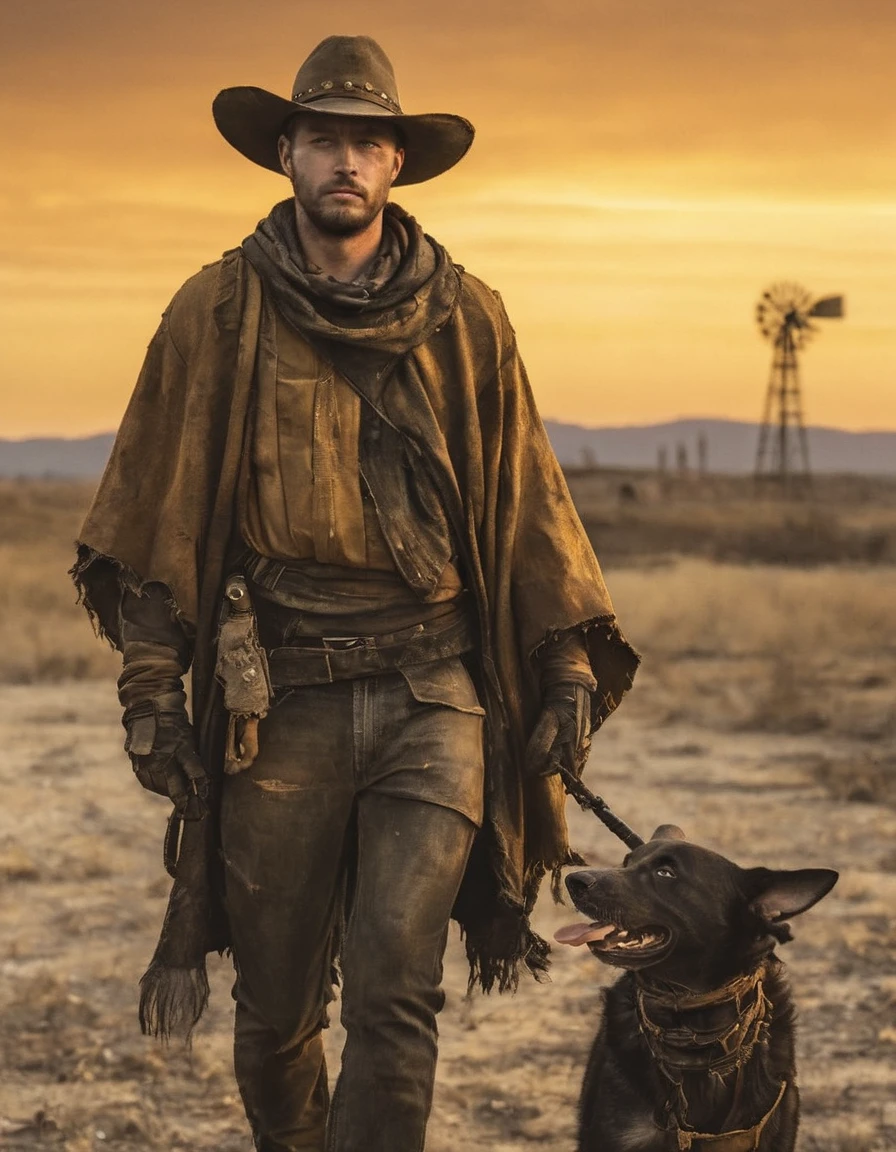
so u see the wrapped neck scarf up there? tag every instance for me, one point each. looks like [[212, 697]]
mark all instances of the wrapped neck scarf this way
[[409, 291]]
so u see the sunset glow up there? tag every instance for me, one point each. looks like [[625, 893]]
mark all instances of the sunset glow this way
[[641, 172]]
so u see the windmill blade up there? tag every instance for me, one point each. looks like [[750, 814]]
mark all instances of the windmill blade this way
[[829, 308], [784, 306]]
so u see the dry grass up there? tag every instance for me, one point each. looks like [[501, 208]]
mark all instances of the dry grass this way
[[727, 645], [694, 608], [46, 637], [635, 516], [798, 652]]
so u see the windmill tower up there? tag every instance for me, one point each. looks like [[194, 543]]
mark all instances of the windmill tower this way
[[784, 314]]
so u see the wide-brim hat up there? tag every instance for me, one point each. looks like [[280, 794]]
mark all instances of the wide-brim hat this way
[[343, 76]]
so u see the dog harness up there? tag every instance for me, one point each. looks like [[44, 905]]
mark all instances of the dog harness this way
[[738, 1140], [720, 1050]]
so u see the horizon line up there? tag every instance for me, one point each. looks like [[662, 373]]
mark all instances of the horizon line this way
[[547, 419]]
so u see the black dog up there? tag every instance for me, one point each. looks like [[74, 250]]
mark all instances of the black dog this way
[[696, 1048]]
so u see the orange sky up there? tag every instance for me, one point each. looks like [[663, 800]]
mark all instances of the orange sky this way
[[641, 171]]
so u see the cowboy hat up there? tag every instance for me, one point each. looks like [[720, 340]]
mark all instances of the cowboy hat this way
[[343, 76]]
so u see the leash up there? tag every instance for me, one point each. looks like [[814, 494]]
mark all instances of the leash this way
[[588, 802]]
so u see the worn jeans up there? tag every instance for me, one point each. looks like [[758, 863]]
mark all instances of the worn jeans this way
[[364, 798]]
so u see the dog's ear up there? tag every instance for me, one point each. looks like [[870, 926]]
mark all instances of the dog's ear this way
[[668, 832], [779, 895]]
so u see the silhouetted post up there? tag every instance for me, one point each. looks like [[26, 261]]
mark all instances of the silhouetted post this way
[[681, 458], [662, 459], [589, 460], [702, 454]]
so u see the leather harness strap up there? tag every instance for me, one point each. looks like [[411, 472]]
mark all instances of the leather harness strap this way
[[740, 1140], [718, 1051]]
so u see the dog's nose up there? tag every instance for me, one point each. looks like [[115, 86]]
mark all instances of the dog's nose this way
[[578, 883]]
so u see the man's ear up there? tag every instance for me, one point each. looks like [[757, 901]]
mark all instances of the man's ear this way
[[284, 149], [779, 895], [399, 163]]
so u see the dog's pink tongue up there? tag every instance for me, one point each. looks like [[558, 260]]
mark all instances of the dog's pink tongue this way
[[576, 934]]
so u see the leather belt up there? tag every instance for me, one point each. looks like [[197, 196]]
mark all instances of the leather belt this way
[[380, 640], [326, 659]]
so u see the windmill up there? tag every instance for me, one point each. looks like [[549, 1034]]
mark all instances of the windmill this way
[[784, 314]]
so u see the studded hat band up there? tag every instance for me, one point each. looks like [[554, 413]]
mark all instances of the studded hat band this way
[[359, 89]]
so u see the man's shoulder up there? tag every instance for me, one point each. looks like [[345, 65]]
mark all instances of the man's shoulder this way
[[484, 314], [207, 295], [475, 293], [202, 289]]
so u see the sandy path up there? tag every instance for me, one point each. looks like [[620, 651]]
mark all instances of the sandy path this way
[[83, 894]]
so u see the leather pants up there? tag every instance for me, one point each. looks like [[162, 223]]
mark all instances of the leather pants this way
[[331, 845]]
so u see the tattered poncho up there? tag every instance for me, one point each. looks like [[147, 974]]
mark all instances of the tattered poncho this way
[[454, 453]]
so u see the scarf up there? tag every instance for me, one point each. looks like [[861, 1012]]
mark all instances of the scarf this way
[[410, 289]]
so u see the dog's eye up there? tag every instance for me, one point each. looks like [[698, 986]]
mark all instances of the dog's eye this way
[[665, 872]]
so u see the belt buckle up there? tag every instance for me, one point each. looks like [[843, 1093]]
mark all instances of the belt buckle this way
[[345, 643]]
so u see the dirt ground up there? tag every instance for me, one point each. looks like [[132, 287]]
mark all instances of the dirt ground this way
[[83, 893], [763, 722]]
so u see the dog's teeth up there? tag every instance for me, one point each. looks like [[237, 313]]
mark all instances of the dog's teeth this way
[[622, 935]]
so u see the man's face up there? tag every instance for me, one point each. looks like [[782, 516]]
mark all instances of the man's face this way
[[341, 169]]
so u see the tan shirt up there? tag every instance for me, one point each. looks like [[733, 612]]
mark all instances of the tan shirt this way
[[305, 497]]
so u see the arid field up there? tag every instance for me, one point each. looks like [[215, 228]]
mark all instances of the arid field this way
[[763, 722]]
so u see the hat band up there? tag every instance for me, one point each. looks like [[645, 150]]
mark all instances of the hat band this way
[[359, 91]]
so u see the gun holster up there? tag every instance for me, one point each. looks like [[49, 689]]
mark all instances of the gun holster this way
[[242, 670]]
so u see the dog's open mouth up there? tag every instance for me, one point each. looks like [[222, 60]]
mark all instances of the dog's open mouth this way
[[604, 937]]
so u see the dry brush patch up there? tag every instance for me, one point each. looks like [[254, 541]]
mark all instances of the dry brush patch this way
[[757, 648], [633, 516], [46, 637]]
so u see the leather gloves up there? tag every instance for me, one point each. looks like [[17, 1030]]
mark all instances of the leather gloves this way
[[160, 740], [562, 733], [162, 749]]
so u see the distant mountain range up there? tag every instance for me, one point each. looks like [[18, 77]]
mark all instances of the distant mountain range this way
[[55, 456], [730, 447]]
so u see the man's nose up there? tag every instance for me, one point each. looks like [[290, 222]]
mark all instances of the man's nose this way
[[346, 159]]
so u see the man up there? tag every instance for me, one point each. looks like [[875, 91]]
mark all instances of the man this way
[[333, 437]]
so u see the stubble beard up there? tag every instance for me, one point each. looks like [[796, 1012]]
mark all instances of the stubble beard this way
[[334, 219]]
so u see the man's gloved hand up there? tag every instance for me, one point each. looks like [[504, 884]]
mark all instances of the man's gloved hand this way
[[162, 748], [562, 735]]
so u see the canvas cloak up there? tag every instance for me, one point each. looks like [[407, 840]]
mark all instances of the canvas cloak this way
[[461, 408]]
